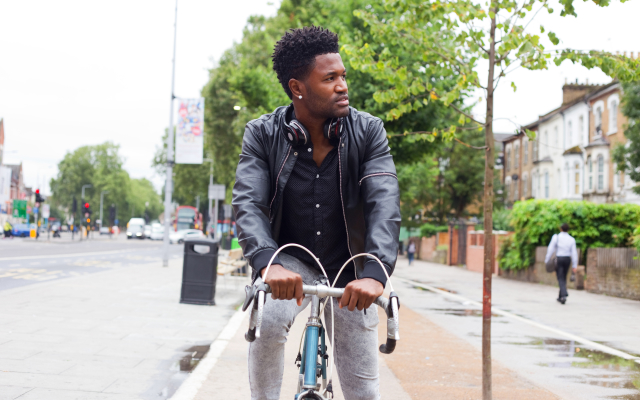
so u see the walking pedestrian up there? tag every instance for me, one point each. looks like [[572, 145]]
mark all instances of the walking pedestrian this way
[[411, 251], [7, 230], [564, 246]]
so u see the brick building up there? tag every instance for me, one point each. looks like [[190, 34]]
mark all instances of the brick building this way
[[571, 156]]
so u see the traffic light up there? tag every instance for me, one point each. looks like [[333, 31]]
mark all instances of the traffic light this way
[[74, 206], [112, 213], [39, 198], [87, 208]]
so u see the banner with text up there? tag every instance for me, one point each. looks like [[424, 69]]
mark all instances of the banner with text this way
[[190, 131]]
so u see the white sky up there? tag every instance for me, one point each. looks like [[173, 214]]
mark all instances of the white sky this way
[[82, 72], [74, 73]]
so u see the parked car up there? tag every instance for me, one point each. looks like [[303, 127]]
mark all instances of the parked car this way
[[147, 231], [185, 234], [104, 230], [157, 232], [22, 230], [135, 230]]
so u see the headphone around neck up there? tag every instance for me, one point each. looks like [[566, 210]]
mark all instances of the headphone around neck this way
[[297, 134]]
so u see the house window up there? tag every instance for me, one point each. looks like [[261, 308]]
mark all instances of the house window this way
[[526, 153], [525, 192], [590, 170], [546, 142], [534, 157], [516, 157], [566, 168], [598, 114], [516, 191], [546, 185], [581, 127], [600, 172], [507, 185], [613, 117], [576, 179], [506, 160]]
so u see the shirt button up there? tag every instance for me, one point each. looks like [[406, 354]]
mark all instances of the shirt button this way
[[317, 176], [295, 154], [318, 233], [309, 149], [317, 205]]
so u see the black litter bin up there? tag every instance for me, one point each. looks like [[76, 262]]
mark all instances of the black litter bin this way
[[199, 271]]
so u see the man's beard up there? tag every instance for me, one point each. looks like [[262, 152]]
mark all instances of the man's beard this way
[[324, 109]]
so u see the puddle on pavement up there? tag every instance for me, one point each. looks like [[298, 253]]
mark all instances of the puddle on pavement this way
[[460, 312], [439, 288], [180, 369], [592, 367], [193, 357]]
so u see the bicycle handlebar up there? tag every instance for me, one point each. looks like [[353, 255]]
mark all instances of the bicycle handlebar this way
[[259, 291]]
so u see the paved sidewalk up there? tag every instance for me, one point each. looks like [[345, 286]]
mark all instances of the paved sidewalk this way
[[118, 334], [428, 363]]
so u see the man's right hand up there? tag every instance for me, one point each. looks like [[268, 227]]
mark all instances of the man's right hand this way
[[285, 285]]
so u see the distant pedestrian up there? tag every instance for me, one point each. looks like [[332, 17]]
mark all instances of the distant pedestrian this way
[[411, 251], [564, 246], [7, 230]]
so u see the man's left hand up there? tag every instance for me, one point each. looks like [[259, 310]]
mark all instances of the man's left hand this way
[[361, 294]]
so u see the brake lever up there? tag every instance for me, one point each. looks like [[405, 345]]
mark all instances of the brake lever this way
[[249, 292], [261, 291], [393, 324]]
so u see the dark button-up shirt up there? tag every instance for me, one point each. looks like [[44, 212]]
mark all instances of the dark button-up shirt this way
[[312, 214]]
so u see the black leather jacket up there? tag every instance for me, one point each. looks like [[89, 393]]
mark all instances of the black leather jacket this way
[[368, 183]]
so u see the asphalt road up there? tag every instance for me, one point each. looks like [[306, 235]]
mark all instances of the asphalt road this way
[[27, 261]]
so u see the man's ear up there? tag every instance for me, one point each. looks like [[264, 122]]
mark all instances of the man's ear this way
[[297, 88]]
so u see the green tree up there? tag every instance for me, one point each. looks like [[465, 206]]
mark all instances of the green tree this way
[[627, 156], [101, 166], [451, 38]]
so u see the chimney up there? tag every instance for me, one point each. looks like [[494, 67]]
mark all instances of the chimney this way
[[587, 81]]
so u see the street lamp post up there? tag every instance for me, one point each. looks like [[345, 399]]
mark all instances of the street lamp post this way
[[81, 217], [101, 197], [211, 226], [168, 184]]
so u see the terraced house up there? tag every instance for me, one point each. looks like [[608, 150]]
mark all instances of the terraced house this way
[[571, 156]]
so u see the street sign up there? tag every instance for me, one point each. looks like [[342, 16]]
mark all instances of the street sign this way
[[45, 211], [20, 208], [217, 192], [227, 211]]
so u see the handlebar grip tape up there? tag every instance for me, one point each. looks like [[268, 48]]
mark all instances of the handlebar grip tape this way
[[389, 347]]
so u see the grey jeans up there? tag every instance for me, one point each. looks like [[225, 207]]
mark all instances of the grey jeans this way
[[356, 337]]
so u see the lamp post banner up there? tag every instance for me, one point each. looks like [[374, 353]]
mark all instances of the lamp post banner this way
[[190, 131]]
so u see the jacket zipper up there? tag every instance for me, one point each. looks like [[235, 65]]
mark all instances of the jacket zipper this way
[[376, 174], [344, 215], [277, 178]]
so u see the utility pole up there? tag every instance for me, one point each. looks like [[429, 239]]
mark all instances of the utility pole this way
[[210, 226], [82, 216], [168, 189], [101, 197]]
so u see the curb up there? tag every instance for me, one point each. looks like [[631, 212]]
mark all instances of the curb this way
[[189, 389]]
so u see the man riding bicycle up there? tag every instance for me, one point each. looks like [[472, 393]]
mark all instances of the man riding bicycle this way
[[317, 173]]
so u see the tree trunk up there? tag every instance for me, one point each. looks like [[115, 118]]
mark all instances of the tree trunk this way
[[488, 221]]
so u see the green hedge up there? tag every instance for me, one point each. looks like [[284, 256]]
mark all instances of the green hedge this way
[[428, 230], [592, 225]]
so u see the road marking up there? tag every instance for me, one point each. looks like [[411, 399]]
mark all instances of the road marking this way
[[67, 255], [466, 301], [189, 389]]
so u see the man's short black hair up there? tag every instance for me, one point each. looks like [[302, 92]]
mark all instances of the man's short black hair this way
[[294, 55], [564, 227]]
